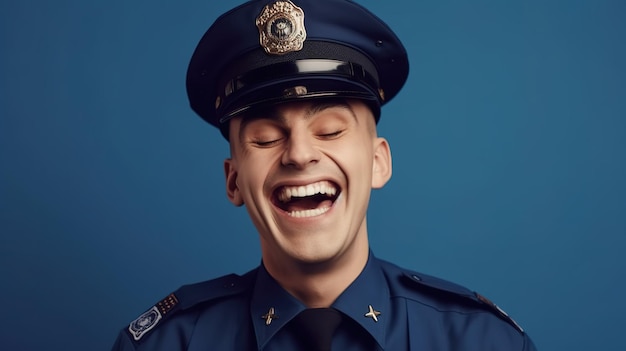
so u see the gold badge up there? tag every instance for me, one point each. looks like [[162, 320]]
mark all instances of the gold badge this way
[[281, 28]]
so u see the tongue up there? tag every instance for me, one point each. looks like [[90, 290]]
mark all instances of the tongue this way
[[306, 203]]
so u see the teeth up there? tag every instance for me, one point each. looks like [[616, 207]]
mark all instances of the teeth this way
[[309, 213], [323, 187]]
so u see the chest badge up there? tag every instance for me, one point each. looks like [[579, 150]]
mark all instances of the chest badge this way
[[281, 28]]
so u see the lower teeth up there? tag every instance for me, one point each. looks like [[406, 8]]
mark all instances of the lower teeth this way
[[309, 213]]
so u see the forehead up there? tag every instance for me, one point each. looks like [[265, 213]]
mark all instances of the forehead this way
[[306, 110], [286, 113]]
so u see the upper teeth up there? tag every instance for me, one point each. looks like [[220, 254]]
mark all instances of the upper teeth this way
[[324, 187]]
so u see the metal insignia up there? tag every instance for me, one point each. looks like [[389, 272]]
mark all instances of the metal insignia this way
[[373, 314], [270, 316], [281, 28], [140, 326], [501, 311]]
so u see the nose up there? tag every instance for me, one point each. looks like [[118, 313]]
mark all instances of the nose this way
[[300, 152]]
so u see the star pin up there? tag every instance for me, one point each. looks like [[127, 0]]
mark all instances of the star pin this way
[[270, 316], [373, 313]]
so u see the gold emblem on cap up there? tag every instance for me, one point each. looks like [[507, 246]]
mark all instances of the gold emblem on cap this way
[[281, 28]]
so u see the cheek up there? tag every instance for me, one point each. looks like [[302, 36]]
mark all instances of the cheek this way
[[254, 170], [357, 167], [357, 155]]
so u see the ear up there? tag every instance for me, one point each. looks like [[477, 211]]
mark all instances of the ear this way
[[232, 189], [381, 168]]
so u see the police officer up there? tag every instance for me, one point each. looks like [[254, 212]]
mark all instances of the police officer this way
[[296, 87]]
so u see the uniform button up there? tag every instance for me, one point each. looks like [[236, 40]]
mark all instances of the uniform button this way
[[416, 278]]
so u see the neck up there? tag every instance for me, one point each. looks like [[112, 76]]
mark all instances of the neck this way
[[319, 284]]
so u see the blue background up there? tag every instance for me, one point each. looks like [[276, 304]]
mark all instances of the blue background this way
[[509, 148]]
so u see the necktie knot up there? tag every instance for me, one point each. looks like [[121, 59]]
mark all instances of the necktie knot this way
[[316, 326]]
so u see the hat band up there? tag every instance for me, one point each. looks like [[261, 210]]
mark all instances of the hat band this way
[[309, 67]]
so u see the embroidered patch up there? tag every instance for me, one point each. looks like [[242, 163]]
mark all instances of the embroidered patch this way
[[140, 326]]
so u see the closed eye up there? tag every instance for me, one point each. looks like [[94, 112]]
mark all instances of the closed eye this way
[[332, 135], [266, 143]]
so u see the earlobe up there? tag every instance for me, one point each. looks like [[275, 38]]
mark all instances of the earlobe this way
[[232, 189], [381, 168]]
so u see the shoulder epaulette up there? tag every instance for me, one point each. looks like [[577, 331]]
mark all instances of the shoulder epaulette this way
[[188, 296], [444, 285], [421, 280]]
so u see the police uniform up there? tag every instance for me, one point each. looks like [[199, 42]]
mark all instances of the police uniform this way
[[268, 52], [388, 308]]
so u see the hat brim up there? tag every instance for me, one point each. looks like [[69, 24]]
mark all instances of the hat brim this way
[[297, 88]]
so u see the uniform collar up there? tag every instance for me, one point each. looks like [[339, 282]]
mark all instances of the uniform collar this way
[[271, 307], [269, 299], [368, 289]]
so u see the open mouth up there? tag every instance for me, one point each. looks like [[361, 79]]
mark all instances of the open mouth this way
[[306, 200]]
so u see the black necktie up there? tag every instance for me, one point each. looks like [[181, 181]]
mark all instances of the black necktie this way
[[316, 326]]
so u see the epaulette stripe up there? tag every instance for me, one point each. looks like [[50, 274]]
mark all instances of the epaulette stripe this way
[[167, 303]]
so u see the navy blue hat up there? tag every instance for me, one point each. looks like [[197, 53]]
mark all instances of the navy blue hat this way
[[265, 52]]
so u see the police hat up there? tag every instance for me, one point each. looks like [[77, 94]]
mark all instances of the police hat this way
[[266, 52]]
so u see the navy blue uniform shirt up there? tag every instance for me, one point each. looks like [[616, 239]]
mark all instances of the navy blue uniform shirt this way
[[385, 308]]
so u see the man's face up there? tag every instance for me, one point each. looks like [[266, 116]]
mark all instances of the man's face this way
[[305, 171]]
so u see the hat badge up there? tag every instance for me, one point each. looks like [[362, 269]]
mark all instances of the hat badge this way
[[281, 28]]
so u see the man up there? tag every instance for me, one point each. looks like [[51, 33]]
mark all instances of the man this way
[[296, 88]]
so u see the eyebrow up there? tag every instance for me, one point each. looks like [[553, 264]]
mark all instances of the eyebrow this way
[[273, 114], [324, 105]]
